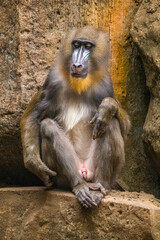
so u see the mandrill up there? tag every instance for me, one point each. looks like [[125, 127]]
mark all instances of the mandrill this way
[[73, 130]]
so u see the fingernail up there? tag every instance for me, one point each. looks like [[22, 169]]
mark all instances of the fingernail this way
[[54, 173], [94, 136]]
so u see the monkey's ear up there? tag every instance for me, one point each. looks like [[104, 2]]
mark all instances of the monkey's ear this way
[[67, 42], [71, 33], [102, 52]]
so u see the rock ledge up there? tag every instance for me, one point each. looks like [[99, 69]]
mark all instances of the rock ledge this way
[[39, 213]]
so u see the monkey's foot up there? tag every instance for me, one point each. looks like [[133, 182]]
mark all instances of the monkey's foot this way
[[89, 198]]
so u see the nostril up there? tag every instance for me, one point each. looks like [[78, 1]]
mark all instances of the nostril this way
[[75, 65], [79, 66]]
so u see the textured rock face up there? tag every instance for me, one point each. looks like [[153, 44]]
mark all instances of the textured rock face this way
[[37, 213], [145, 32], [30, 39]]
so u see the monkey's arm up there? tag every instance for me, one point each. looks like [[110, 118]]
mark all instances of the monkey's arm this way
[[30, 143], [108, 109]]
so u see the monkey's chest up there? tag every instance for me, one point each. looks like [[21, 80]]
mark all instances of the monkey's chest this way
[[73, 114], [75, 120], [81, 138]]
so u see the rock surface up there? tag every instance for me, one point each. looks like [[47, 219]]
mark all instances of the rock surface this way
[[38, 213], [31, 33], [145, 32]]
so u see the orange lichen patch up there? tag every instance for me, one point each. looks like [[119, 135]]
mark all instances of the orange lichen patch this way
[[119, 32], [115, 17]]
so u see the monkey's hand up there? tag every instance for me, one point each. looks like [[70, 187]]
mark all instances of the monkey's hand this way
[[106, 111], [89, 198], [36, 166], [48, 177]]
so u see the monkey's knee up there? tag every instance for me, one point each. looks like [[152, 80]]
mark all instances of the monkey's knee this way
[[48, 128]]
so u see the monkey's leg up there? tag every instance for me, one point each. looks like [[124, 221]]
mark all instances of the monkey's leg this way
[[57, 151], [64, 158], [109, 155]]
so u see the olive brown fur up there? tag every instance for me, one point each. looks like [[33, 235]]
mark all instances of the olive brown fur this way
[[73, 130]]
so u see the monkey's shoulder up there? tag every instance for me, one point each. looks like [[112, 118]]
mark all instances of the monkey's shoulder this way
[[33, 102]]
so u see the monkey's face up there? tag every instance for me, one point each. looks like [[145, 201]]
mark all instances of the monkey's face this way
[[84, 57], [81, 51]]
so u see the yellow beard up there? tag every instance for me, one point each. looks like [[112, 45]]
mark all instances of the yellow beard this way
[[80, 84]]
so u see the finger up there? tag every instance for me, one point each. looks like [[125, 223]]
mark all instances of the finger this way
[[94, 187], [52, 173], [82, 202], [89, 198], [99, 129], [93, 119], [92, 201], [97, 134], [103, 190], [86, 201], [98, 186]]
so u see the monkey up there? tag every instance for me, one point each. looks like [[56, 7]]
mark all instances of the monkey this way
[[73, 131]]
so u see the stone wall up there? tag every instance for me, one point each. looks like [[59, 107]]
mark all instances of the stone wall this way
[[145, 32], [30, 39]]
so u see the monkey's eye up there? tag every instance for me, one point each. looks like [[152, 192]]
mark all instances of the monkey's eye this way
[[88, 45], [76, 44]]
